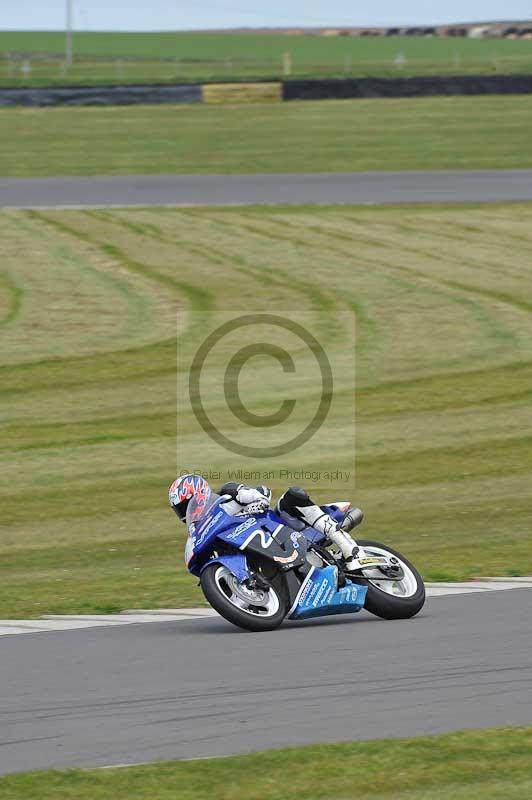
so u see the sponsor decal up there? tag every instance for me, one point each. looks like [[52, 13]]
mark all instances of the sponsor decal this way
[[295, 537], [288, 559], [351, 594], [318, 597], [249, 523], [372, 560], [304, 593], [204, 530]]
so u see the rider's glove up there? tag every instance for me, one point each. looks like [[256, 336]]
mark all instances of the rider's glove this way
[[254, 501], [247, 495], [265, 491], [254, 508]]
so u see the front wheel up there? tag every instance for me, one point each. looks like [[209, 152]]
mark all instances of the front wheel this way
[[398, 599], [253, 609]]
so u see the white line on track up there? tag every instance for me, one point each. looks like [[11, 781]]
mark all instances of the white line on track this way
[[67, 622], [150, 763]]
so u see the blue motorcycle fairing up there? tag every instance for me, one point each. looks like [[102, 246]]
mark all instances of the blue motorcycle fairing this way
[[217, 522], [316, 596], [246, 527], [203, 534], [236, 531], [236, 563], [319, 595]]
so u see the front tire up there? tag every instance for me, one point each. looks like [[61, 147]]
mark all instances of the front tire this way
[[253, 610], [386, 600]]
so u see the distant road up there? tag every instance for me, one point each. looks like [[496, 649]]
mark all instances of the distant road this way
[[323, 188]]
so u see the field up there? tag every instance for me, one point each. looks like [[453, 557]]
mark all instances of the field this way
[[148, 57], [449, 133], [480, 765], [88, 309]]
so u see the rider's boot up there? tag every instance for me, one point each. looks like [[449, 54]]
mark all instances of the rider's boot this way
[[296, 503]]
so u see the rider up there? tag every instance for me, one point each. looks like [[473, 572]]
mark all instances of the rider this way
[[295, 507]]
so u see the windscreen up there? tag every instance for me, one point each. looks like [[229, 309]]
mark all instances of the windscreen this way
[[199, 507]]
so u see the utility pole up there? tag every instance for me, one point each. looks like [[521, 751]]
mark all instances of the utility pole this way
[[68, 32]]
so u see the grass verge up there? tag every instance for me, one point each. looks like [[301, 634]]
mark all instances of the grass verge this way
[[403, 134], [469, 765]]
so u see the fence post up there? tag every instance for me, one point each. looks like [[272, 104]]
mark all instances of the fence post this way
[[287, 64], [400, 60], [26, 68], [68, 34]]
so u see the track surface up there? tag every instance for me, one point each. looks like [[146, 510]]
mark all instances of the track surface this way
[[361, 187], [200, 688]]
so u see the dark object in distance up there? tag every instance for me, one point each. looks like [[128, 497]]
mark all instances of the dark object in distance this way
[[326, 89], [101, 95], [422, 86]]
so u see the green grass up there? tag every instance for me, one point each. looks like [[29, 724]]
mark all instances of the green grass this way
[[91, 397], [422, 133], [149, 57], [469, 765]]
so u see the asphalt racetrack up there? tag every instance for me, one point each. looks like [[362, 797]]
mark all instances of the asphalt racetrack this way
[[169, 690], [323, 188]]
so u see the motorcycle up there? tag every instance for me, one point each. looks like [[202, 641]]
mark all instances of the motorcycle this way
[[256, 570]]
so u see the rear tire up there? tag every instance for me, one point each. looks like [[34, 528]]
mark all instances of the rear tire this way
[[393, 606], [216, 583]]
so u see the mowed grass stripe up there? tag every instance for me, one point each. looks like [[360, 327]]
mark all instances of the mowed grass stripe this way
[[231, 260], [426, 254], [423, 467], [101, 306], [443, 377], [512, 382], [37, 436]]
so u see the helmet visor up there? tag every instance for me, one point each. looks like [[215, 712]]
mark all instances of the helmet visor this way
[[197, 509]]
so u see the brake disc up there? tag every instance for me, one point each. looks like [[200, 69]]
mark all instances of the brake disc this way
[[254, 596]]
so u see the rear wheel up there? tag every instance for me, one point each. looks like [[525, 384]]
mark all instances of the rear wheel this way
[[254, 609], [392, 599]]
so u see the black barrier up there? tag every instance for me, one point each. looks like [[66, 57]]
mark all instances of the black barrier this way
[[101, 95], [327, 89], [346, 88]]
